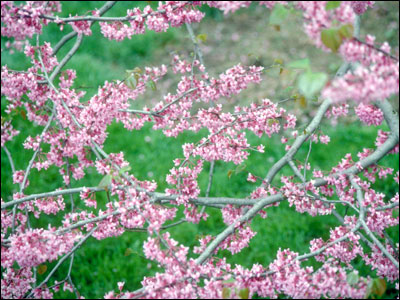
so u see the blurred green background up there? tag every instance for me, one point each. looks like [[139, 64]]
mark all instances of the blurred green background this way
[[244, 37]]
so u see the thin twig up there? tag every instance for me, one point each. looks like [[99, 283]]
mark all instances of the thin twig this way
[[65, 257]]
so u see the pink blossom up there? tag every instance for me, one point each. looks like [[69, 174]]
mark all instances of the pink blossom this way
[[360, 7], [324, 139], [81, 27], [121, 285], [251, 178], [369, 114]]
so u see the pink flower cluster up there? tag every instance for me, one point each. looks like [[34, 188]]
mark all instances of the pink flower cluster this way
[[302, 200], [381, 139], [300, 283], [377, 77], [15, 283], [23, 21], [50, 205], [345, 251], [383, 266], [35, 246], [183, 66], [81, 27], [185, 179], [176, 117], [337, 111], [318, 18], [7, 132], [283, 276], [172, 13], [369, 114], [361, 7]]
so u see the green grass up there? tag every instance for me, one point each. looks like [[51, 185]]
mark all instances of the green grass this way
[[99, 265]]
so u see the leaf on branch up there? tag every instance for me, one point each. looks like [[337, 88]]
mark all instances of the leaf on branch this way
[[302, 101], [131, 82], [346, 31], [299, 64], [278, 15], [152, 85], [278, 61], [352, 278], [277, 27], [332, 5], [128, 251], [42, 269], [272, 122], [331, 38], [124, 169], [256, 57], [288, 89], [244, 293], [105, 183], [202, 37], [311, 83], [377, 287], [240, 168], [137, 70], [226, 293]]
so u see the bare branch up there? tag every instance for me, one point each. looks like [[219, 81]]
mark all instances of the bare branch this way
[[59, 263], [106, 7], [360, 199]]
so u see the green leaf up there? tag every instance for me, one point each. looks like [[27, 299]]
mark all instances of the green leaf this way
[[202, 37], [346, 31], [315, 99], [331, 38], [105, 182], [278, 15], [131, 82], [352, 278], [226, 293], [302, 101], [300, 64], [378, 287], [240, 168], [137, 70], [42, 269], [244, 293], [256, 57], [152, 85], [332, 5], [124, 169], [271, 122], [288, 89], [310, 83], [128, 251]]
